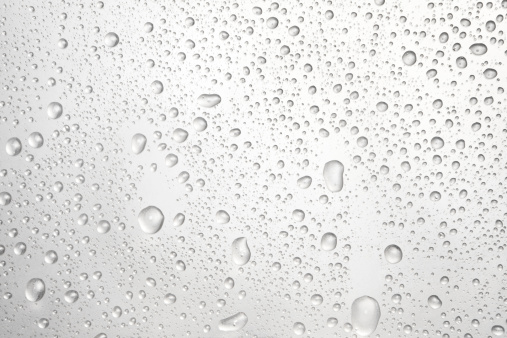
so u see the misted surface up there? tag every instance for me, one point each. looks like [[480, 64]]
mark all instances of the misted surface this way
[[253, 169]]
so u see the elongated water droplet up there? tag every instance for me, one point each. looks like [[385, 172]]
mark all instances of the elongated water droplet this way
[[240, 251], [233, 323], [333, 175], [365, 315]]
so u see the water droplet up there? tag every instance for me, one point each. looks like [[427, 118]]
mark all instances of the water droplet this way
[[365, 315], [240, 251], [233, 323], [333, 175], [150, 219], [35, 289]]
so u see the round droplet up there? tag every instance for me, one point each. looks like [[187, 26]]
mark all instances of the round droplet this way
[[200, 124], [54, 110], [333, 175], [150, 219], [299, 328], [5, 198], [157, 87], [393, 254], [240, 251], [272, 23], [365, 315], [51, 257], [35, 289], [71, 296], [111, 39], [434, 302], [222, 217], [409, 58], [35, 140], [103, 227], [13, 146], [328, 241], [169, 299], [437, 142]]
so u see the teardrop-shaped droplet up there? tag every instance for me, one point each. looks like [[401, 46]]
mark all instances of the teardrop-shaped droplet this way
[[171, 160], [150, 219], [222, 217], [240, 251], [178, 220], [180, 135], [434, 302], [333, 175], [138, 143], [365, 315]]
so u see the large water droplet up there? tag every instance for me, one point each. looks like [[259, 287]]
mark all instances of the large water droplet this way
[[328, 241], [138, 143], [208, 100], [333, 175], [35, 289], [54, 110], [365, 315], [233, 323], [240, 251], [393, 254], [150, 219]]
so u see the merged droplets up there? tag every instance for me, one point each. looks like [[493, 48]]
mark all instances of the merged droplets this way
[[233, 323], [333, 175], [35, 289], [240, 251], [150, 219], [365, 314]]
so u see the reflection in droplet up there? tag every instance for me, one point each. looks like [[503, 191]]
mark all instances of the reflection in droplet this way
[[365, 315], [233, 323], [150, 219]]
